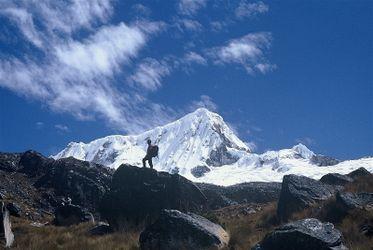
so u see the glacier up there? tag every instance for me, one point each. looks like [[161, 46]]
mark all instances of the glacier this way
[[201, 147]]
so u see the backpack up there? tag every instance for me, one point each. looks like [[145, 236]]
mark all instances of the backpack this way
[[154, 151]]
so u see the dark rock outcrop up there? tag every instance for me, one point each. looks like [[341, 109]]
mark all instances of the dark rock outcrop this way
[[14, 209], [138, 194], [85, 183], [9, 162], [176, 230], [33, 163], [300, 192], [199, 171], [6, 234], [323, 161], [251, 192], [349, 201], [306, 234], [336, 179], [68, 215], [360, 172], [220, 156]]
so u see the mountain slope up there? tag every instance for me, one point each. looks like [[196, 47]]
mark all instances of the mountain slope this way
[[201, 147]]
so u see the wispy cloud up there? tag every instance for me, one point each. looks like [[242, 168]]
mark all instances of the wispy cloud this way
[[248, 51], [39, 125], [190, 7], [149, 74], [194, 58], [188, 25], [24, 21], [204, 101], [248, 9], [76, 75], [62, 127], [306, 141]]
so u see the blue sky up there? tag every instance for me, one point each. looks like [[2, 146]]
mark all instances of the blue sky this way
[[279, 72]]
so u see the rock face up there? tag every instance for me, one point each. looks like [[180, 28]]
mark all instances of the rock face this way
[[6, 233], [9, 162], [252, 192], [14, 209], [307, 234], [68, 215], [176, 230], [336, 179], [360, 172], [83, 182], [299, 192], [323, 161], [349, 201], [33, 163], [137, 194], [199, 171]]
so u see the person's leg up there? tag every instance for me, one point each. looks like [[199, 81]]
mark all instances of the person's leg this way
[[150, 161], [143, 162]]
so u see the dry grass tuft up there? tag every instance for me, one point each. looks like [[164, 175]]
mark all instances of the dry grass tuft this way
[[74, 237]]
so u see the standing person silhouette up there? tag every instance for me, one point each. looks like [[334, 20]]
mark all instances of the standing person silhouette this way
[[151, 152]]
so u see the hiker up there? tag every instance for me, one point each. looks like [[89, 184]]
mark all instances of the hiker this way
[[151, 152]]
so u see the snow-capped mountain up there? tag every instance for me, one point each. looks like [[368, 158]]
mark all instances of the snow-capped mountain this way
[[201, 147]]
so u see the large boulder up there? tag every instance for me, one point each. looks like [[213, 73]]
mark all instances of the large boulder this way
[[68, 215], [300, 192], [6, 234], [251, 192], [176, 230], [137, 194], [14, 209], [350, 201], [306, 234], [336, 179], [85, 183]]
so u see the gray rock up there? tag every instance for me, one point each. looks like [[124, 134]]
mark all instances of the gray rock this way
[[14, 209], [176, 230], [360, 172], [306, 234], [323, 161], [336, 179], [349, 201], [139, 194], [250, 192], [300, 192], [6, 234], [68, 215], [199, 171]]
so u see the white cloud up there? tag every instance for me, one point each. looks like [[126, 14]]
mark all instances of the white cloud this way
[[205, 101], [25, 22], [75, 76], [306, 141], [249, 51], [62, 128], [149, 74], [189, 25], [104, 51], [190, 7], [249, 9], [193, 57], [39, 125]]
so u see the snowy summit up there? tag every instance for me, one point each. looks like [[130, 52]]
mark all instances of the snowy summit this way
[[201, 147]]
